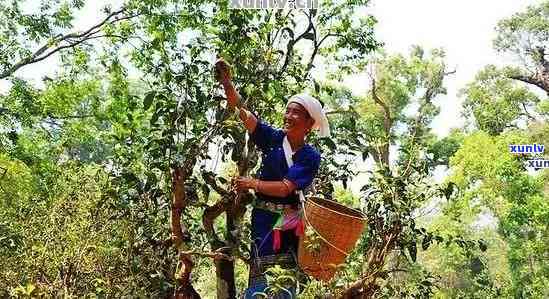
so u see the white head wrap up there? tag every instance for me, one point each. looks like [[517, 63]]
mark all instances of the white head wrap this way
[[315, 110]]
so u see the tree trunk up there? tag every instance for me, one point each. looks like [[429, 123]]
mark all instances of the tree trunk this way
[[226, 287], [180, 237]]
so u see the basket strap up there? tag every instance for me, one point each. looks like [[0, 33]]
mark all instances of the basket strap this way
[[322, 237], [286, 147]]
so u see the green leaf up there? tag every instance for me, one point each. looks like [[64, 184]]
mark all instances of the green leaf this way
[[222, 180], [154, 118], [168, 76], [412, 250], [482, 245], [330, 143], [179, 78], [309, 36], [147, 101], [426, 242]]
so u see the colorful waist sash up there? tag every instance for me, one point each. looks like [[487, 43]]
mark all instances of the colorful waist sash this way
[[288, 218]]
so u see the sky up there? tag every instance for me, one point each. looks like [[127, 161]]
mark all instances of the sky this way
[[89, 16], [464, 29]]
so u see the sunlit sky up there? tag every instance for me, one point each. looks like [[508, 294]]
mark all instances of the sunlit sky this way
[[464, 29]]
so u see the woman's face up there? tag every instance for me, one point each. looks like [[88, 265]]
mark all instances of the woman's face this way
[[297, 120]]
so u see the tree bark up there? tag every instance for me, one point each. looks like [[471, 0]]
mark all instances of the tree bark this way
[[184, 290], [541, 76], [540, 80]]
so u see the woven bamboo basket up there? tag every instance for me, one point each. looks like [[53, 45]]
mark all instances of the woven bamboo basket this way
[[331, 232]]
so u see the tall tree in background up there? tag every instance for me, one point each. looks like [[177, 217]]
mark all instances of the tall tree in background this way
[[396, 112], [525, 35], [507, 108]]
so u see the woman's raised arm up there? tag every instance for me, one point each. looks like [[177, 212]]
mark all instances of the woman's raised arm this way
[[223, 75]]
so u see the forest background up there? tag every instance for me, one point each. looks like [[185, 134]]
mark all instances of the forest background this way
[[115, 165]]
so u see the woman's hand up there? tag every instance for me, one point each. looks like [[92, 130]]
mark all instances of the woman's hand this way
[[272, 188], [222, 71], [223, 76], [244, 183]]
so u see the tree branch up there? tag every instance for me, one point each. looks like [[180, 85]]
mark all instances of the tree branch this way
[[70, 116], [534, 81], [387, 123], [326, 36], [291, 43], [73, 39], [315, 51], [216, 255], [530, 117], [209, 178], [209, 216], [179, 232], [387, 120]]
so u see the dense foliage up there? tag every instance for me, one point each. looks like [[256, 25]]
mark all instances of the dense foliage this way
[[115, 170]]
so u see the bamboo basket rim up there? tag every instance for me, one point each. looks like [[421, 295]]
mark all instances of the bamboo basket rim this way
[[363, 218]]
